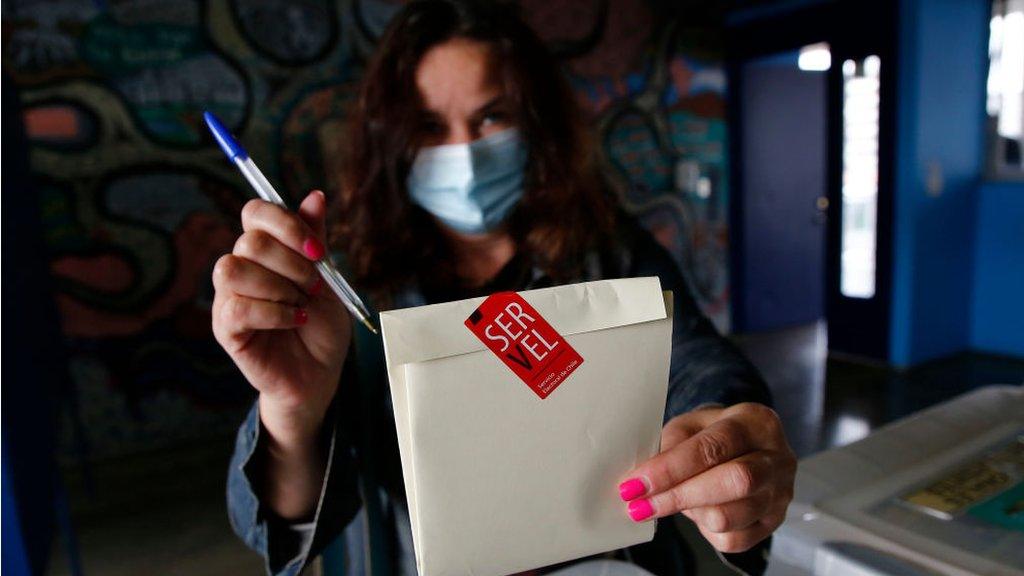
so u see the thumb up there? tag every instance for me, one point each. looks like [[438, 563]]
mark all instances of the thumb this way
[[313, 212]]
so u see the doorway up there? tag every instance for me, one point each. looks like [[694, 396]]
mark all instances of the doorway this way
[[811, 134]]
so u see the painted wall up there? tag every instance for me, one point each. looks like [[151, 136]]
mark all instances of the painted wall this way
[[137, 203], [997, 306], [940, 135]]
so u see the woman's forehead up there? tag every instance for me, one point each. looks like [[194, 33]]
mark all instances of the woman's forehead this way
[[458, 77]]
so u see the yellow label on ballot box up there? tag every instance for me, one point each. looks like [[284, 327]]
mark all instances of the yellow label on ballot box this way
[[972, 483]]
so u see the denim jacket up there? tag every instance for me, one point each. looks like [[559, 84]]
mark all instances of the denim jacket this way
[[362, 507]]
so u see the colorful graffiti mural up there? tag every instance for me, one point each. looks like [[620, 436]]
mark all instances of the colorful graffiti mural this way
[[137, 204]]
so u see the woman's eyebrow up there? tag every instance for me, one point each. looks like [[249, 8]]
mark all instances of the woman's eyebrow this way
[[492, 103]]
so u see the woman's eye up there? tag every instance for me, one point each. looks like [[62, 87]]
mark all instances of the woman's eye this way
[[431, 128], [493, 118]]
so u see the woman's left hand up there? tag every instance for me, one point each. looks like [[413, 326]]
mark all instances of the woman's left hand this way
[[730, 470]]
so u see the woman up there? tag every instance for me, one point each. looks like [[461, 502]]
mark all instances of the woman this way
[[468, 173]]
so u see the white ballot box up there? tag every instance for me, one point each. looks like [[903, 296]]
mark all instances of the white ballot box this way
[[937, 492], [504, 473]]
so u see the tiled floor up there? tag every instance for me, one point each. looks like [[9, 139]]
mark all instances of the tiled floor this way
[[163, 513], [158, 513], [826, 401], [793, 363]]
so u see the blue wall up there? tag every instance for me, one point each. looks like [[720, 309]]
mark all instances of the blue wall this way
[[940, 106], [998, 299]]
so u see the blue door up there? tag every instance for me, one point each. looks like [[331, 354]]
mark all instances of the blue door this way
[[783, 169]]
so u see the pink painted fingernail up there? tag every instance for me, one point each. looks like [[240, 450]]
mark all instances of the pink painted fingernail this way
[[317, 286], [313, 248], [631, 489], [301, 316], [640, 510]]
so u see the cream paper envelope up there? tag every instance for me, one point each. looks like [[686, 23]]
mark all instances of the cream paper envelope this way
[[499, 480]]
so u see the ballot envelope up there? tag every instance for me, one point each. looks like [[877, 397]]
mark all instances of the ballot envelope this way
[[503, 475]]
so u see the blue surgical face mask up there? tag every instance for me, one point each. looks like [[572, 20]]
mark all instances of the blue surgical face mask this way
[[471, 187]]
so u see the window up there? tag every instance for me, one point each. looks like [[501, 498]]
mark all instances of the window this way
[[860, 177], [1005, 103]]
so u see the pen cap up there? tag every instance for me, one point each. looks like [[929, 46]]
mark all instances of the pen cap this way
[[227, 143]]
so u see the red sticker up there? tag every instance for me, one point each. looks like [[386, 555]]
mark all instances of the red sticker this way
[[524, 341]]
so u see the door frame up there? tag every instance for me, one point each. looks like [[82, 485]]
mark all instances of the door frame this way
[[852, 29]]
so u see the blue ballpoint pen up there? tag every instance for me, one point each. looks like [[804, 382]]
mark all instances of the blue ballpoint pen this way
[[237, 154]]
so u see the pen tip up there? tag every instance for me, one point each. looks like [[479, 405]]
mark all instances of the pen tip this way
[[369, 325]]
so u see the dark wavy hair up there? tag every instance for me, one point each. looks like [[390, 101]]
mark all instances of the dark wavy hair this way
[[388, 241]]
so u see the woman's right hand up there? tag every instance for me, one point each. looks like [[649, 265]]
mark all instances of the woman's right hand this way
[[277, 319]]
